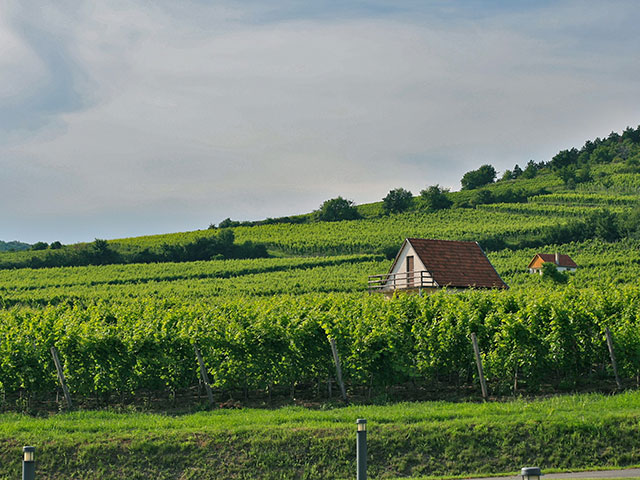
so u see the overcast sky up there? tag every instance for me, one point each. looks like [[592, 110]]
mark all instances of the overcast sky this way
[[123, 118]]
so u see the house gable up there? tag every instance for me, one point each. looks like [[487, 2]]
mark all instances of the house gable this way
[[562, 262], [449, 263], [399, 267]]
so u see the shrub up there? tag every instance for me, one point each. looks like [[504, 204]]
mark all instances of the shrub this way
[[397, 200], [337, 209], [478, 178], [435, 198]]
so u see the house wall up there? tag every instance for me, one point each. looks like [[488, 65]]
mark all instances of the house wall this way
[[536, 263], [536, 266], [400, 267], [560, 269]]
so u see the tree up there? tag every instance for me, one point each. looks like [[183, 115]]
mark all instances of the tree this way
[[531, 170], [397, 200], [337, 209], [228, 223], [55, 245], [478, 178], [482, 197], [567, 174], [517, 171], [571, 175], [507, 175], [101, 253], [564, 158], [435, 198], [39, 246], [605, 225]]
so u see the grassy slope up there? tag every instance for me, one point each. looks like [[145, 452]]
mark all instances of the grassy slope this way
[[404, 440]]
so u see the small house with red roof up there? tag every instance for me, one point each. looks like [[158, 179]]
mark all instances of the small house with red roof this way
[[427, 265], [563, 263]]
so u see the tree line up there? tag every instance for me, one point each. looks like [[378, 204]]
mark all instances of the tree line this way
[[220, 245]]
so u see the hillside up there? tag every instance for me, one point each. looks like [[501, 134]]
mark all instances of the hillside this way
[[260, 300], [558, 201], [314, 284]]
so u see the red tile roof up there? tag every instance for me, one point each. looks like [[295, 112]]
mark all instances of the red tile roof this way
[[457, 264], [565, 260]]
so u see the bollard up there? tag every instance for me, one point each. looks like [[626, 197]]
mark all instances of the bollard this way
[[361, 449], [530, 473], [28, 463]]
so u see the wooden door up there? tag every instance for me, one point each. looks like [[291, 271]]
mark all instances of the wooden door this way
[[410, 271]]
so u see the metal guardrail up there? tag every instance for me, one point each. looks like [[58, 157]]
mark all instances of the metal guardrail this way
[[401, 281]]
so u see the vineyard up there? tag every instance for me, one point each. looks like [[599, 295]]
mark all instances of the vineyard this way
[[528, 339], [129, 331]]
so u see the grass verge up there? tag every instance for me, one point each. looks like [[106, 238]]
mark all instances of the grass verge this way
[[405, 440]]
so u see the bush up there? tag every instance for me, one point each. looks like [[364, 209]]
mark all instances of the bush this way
[[397, 200], [337, 209], [478, 178], [550, 272], [228, 223], [435, 198], [39, 246]]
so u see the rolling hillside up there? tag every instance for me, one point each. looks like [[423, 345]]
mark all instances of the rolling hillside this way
[[260, 300], [263, 323]]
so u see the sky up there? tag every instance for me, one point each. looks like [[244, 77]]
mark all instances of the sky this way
[[127, 118]]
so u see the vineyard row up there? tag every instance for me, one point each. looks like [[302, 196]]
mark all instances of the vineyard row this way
[[533, 339]]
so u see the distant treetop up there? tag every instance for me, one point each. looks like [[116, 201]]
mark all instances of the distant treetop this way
[[478, 178]]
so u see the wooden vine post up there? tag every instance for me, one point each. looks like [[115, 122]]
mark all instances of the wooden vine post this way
[[61, 379], [204, 374], [483, 383], [612, 354], [336, 360]]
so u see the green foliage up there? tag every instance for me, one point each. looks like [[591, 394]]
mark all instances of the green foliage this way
[[564, 158], [39, 246], [205, 246], [605, 225], [146, 345], [13, 246], [227, 223], [101, 254], [478, 178], [550, 272], [517, 171], [337, 209], [435, 198], [531, 170], [293, 219], [397, 200]]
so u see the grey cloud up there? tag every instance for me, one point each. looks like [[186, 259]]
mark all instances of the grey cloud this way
[[206, 111]]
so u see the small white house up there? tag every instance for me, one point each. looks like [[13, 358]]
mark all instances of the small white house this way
[[425, 264], [563, 263]]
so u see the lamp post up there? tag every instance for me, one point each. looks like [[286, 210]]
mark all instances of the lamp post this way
[[530, 473], [28, 463], [361, 449]]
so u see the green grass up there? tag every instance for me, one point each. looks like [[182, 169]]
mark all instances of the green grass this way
[[405, 440]]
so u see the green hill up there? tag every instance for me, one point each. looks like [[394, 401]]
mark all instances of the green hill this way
[[261, 299], [195, 287]]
